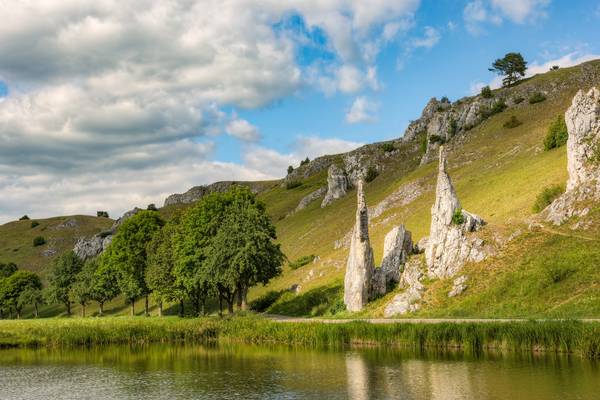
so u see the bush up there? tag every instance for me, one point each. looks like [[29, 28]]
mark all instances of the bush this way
[[547, 196], [537, 98], [554, 68], [436, 139], [518, 100], [486, 92], [39, 241], [302, 261], [24, 218], [423, 142], [337, 307], [557, 134], [292, 184], [290, 169], [452, 128], [513, 122], [388, 147], [445, 99], [34, 224], [371, 174], [458, 217], [306, 161], [496, 108], [151, 207], [102, 214]]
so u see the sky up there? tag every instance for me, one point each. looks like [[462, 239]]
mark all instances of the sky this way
[[107, 105]]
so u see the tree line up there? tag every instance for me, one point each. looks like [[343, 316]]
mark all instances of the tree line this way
[[217, 249]]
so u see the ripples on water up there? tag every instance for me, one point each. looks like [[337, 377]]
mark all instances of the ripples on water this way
[[247, 372]]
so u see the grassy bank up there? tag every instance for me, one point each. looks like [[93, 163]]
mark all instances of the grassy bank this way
[[572, 337]]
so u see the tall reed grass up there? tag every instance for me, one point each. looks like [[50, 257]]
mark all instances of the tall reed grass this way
[[573, 337]]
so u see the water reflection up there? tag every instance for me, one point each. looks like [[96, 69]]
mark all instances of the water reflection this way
[[233, 372]]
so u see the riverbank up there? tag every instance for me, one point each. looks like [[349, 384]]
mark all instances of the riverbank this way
[[571, 337]]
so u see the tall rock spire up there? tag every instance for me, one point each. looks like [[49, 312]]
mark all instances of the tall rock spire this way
[[361, 264], [448, 247]]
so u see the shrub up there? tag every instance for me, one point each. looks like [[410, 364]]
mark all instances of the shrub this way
[[24, 218], [554, 68], [423, 142], [371, 174], [496, 108], [290, 169], [513, 122], [306, 161], [337, 307], [458, 217], [436, 139], [557, 134], [102, 214], [445, 99], [302, 261], [537, 98], [452, 128], [34, 224], [486, 92], [39, 241], [518, 100], [547, 196], [556, 273], [151, 207], [388, 147], [292, 184]]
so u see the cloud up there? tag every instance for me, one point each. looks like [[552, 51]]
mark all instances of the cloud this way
[[111, 98], [362, 110], [479, 12], [431, 38], [242, 129]]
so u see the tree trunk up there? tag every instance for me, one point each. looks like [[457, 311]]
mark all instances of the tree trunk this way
[[203, 305], [238, 296], [147, 307], [35, 310], [18, 311], [101, 305], [244, 297], [132, 308], [82, 310], [230, 305], [68, 304], [220, 305], [181, 308]]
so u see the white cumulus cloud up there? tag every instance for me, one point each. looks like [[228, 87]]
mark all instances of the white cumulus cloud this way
[[362, 110]]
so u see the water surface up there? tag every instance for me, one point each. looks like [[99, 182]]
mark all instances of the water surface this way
[[249, 372]]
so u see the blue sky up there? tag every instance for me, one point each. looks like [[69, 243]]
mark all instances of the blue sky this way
[[109, 105]]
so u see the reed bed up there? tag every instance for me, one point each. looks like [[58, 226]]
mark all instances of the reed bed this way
[[570, 337]]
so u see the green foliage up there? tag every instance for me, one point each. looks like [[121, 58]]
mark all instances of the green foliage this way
[[518, 100], [536, 98], [127, 253], [290, 169], [496, 108], [292, 184], [557, 135], [34, 224], [62, 276], [513, 122], [152, 207], [436, 139], [422, 142], [24, 218], [554, 68], [337, 307], [558, 272], [12, 287], [512, 66], [486, 92], [547, 196], [445, 99], [371, 174], [105, 286], [314, 302], [305, 161], [81, 290], [302, 261], [457, 217], [262, 303], [388, 147], [102, 214], [7, 269], [39, 241], [452, 127]]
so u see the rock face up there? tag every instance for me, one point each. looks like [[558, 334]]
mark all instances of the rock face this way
[[92, 246], [448, 246], [397, 247], [360, 265], [337, 185], [198, 192], [583, 155], [408, 301], [306, 200]]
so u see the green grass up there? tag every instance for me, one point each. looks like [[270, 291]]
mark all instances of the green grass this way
[[573, 337]]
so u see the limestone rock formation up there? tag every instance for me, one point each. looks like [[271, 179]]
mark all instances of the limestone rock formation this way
[[92, 246], [459, 285], [306, 200], [360, 265], [397, 247], [337, 185], [448, 245], [198, 192], [408, 300], [583, 155]]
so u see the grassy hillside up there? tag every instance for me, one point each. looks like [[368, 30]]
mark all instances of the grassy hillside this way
[[497, 172]]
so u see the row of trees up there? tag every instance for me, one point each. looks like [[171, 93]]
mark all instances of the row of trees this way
[[219, 248], [18, 289]]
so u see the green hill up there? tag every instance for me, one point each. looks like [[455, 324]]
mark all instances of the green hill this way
[[497, 171]]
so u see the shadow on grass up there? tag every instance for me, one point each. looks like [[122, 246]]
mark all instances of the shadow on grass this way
[[315, 302]]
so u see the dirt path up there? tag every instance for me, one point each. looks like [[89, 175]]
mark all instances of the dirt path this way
[[282, 318]]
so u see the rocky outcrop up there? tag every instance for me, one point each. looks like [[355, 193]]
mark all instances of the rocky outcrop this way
[[361, 264], [408, 300], [583, 158], [198, 192], [449, 246], [337, 185], [306, 200], [459, 285], [90, 247], [397, 247]]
